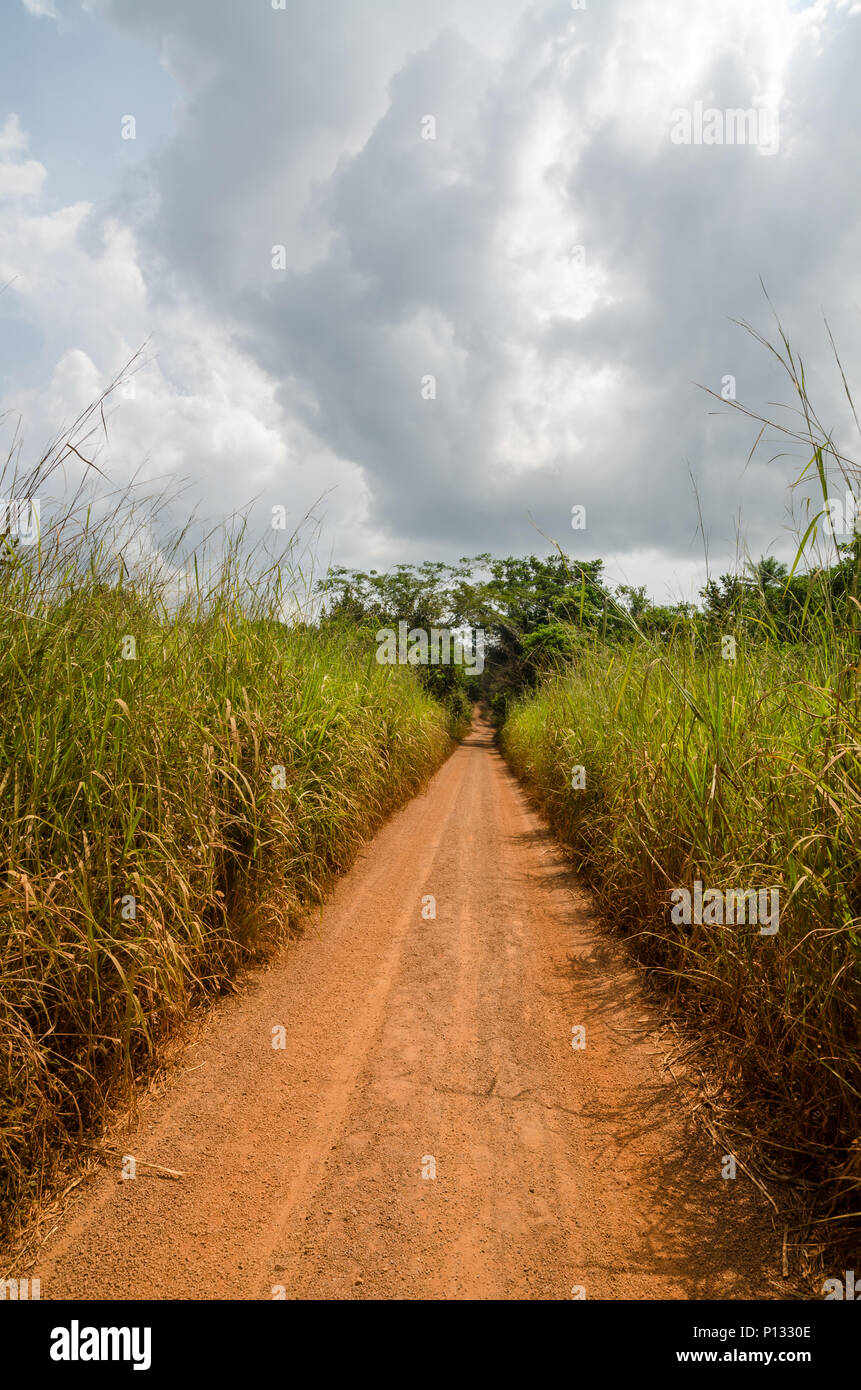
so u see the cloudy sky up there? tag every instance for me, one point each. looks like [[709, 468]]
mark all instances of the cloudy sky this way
[[438, 272]]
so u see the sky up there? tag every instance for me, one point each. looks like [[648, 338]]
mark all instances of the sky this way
[[435, 274]]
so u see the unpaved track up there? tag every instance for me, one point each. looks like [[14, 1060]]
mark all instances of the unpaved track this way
[[409, 1039]]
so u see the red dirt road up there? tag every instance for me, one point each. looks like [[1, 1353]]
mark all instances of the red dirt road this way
[[409, 1040]]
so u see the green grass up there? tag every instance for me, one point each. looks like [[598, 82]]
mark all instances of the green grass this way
[[742, 775], [164, 818]]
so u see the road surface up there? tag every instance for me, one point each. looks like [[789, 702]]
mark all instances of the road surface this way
[[427, 1131]]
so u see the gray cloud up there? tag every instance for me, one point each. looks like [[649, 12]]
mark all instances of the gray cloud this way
[[555, 384]]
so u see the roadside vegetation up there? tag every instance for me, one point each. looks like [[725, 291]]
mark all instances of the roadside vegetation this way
[[167, 808], [186, 759], [723, 745], [716, 742]]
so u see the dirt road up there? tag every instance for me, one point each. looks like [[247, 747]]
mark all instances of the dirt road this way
[[413, 1046]]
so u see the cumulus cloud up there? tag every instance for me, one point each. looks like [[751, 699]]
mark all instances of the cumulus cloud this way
[[475, 331], [194, 407]]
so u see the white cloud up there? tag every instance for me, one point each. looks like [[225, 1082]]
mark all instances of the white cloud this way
[[20, 178], [13, 140], [43, 9], [197, 406], [559, 380]]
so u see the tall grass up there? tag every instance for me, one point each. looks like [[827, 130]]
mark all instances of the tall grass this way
[[166, 805], [765, 793], [742, 774]]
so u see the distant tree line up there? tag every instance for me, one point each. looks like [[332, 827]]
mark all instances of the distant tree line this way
[[537, 612]]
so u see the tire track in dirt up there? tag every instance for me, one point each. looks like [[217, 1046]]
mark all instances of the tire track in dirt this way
[[410, 1040]]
